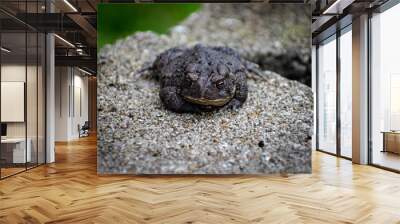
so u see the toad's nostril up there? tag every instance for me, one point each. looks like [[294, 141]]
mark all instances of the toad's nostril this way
[[193, 76], [222, 70]]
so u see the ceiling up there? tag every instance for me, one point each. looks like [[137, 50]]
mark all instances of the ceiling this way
[[333, 15], [74, 22], [16, 42]]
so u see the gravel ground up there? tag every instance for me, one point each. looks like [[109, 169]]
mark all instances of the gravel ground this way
[[271, 133]]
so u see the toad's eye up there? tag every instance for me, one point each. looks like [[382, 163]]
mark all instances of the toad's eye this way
[[220, 84], [189, 82]]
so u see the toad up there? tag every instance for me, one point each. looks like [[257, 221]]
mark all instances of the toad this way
[[202, 78]]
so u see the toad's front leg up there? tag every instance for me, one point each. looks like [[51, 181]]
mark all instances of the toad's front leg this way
[[173, 101], [240, 92]]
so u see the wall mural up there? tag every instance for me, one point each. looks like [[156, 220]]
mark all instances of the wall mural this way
[[204, 89]]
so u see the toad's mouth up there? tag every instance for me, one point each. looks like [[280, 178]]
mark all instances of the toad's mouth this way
[[208, 102]]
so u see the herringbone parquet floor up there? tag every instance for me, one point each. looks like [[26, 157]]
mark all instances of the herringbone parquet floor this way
[[70, 191]]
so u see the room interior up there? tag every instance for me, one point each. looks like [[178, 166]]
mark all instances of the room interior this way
[[29, 59], [22, 101], [335, 83], [385, 89]]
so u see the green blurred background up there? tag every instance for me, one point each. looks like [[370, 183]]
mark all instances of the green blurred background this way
[[115, 21]]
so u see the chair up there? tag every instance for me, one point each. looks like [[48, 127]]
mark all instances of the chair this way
[[84, 130]]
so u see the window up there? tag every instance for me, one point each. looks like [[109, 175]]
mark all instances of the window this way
[[334, 106], [385, 89], [22, 77], [327, 96]]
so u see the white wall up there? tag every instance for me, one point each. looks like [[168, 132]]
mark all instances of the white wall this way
[[70, 83], [12, 73], [79, 117], [62, 81], [12, 101], [33, 126]]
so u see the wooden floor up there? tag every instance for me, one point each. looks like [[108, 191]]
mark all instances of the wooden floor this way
[[387, 159], [10, 171], [70, 191]]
